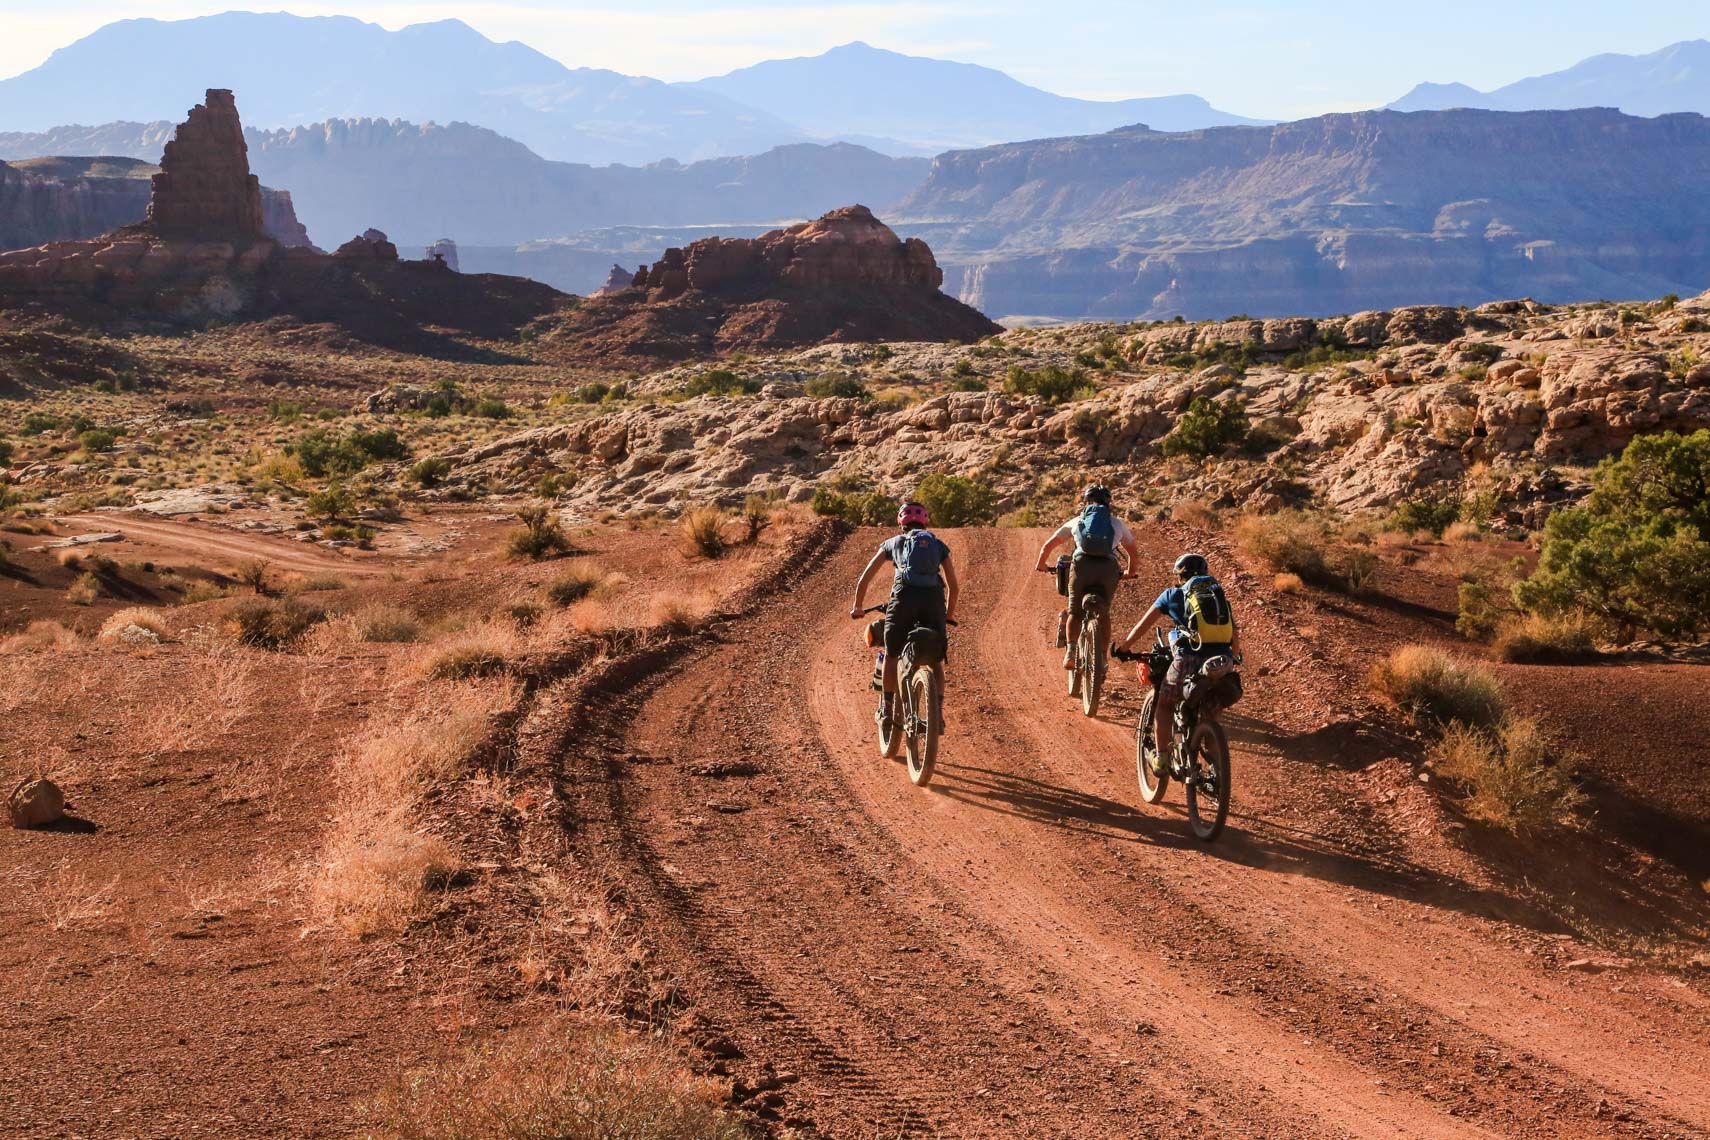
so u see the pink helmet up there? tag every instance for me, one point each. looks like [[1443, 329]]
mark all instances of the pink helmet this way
[[913, 514]]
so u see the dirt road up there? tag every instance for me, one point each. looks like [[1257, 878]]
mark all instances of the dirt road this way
[[1025, 949]]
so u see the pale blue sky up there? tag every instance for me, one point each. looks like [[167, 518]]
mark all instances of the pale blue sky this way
[[1252, 57]]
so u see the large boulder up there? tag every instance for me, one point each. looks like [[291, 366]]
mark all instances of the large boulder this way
[[36, 803]]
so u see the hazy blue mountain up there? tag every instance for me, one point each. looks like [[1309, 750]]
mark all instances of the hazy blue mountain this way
[[288, 70], [1677, 78], [421, 182], [937, 105]]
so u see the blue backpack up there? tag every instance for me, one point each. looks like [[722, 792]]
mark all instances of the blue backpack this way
[[918, 557], [1095, 532]]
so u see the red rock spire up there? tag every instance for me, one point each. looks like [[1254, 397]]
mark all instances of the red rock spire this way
[[204, 191]]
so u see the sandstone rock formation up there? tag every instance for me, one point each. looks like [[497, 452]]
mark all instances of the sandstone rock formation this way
[[36, 803], [204, 191], [369, 245], [71, 199], [845, 276]]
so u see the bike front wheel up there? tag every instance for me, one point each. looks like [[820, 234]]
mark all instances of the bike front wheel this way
[[1207, 781], [925, 719], [1154, 774]]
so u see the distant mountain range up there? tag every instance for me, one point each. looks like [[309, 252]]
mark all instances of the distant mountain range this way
[[290, 70], [1326, 215], [936, 105], [1677, 78], [419, 183]]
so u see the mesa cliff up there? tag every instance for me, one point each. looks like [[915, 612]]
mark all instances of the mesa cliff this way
[[843, 277]]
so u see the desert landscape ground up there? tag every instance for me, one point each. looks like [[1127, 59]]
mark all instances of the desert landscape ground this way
[[431, 708]]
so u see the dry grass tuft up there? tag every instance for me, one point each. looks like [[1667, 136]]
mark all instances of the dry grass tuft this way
[[1511, 779], [70, 557], [265, 623], [1194, 512], [1293, 541], [676, 613], [84, 591], [1429, 685], [137, 625], [1462, 532], [68, 898], [40, 637], [578, 580], [378, 861], [574, 1076], [202, 711], [540, 535], [321, 582], [1288, 583], [482, 650], [1537, 637], [386, 624], [700, 532]]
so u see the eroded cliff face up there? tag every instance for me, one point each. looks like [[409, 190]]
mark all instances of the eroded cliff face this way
[[70, 199], [1327, 215]]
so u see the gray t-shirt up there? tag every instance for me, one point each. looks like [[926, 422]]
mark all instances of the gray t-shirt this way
[[893, 547]]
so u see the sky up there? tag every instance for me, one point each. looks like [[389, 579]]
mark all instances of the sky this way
[[1252, 57]]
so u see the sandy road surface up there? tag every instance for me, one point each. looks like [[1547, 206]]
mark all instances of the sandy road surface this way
[[1024, 948]]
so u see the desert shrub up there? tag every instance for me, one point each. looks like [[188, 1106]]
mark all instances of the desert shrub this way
[[1431, 686], [579, 1077], [700, 532], [332, 502], [1287, 583], [84, 590], [968, 384], [1206, 428], [204, 592], [266, 623], [482, 651], [323, 582], [40, 637], [360, 534], [1414, 515], [756, 514], [253, 573], [553, 484], [1511, 779], [1290, 540], [1193, 512], [1357, 566], [1483, 609], [430, 472], [838, 385], [491, 408], [97, 440], [956, 500], [593, 392], [1546, 637], [576, 581], [385, 624], [137, 624], [1637, 553], [857, 508], [1053, 383], [1462, 532], [35, 423], [5, 453], [540, 535], [720, 382], [320, 453]]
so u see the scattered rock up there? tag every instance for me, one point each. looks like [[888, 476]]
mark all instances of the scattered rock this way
[[36, 802]]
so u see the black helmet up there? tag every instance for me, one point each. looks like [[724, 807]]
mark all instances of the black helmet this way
[[1097, 493], [1192, 566]]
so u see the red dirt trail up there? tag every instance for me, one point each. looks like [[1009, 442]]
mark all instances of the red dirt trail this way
[[1025, 949]]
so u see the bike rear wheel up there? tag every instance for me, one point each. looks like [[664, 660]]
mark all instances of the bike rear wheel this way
[[1095, 643], [925, 716], [1207, 781], [1154, 781], [891, 732]]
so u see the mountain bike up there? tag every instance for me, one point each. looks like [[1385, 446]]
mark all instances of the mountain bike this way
[[918, 713], [1200, 750], [1086, 679]]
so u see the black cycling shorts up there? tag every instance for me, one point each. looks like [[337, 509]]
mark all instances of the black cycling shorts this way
[[909, 607], [1088, 573]]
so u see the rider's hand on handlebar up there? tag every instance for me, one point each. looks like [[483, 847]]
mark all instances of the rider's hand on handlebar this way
[[857, 613]]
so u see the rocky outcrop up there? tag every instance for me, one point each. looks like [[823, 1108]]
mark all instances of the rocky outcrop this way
[[843, 277], [204, 191], [369, 245], [1339, 213], [71, 199]]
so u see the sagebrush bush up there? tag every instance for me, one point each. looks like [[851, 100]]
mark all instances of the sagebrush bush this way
[[1206, 428], [839, 385], [252, 572], [1511, 778], [1414, 515], [956, 500], [1431, 686], [700, 532], [1052, 383], [857, 508], [386, 624], [1637, 553], [133, 624], [1291, 540]]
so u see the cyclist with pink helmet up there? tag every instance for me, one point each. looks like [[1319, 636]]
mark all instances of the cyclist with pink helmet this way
[[923, 591]]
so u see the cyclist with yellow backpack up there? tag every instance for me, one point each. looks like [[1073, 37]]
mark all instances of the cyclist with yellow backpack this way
[[1204, 626]]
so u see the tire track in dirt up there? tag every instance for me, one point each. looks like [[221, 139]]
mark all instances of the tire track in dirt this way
[[1024, 948], [205, 540]]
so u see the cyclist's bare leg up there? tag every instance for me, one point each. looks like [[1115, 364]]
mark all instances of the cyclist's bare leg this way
[[1164, 721], [1074, 636]]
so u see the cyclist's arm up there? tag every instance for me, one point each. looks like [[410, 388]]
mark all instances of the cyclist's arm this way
[[1132, 550], [1140, 627], [1050, 543], [951, 589], [1235, 638], [862, 583]]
